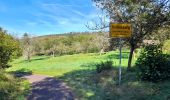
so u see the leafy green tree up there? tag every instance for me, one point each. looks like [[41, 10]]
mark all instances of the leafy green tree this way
[[71, 43], [37, 47], [18, 50], [77, 47], [8, 48], [162, 34], [144, 15]]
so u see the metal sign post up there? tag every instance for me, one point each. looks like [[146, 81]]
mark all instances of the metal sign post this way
[[120, 60], [120, 30]]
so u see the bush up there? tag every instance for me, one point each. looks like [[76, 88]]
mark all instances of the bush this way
[[104, 66], [10, 87], [153, 65], [166, 47], [9, 48]]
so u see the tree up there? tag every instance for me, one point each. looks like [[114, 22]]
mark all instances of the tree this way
[[8, 48], [162, 34], [27, 46], [101, 41], [144, 15]]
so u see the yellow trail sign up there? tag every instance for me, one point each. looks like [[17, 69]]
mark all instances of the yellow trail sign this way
[[120, 30]]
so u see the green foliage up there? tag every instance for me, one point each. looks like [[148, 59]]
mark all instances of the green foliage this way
[[11, 88], [9, 48], [87, 85], [166, 47], [108, 65], [79, 72], [152, 64], [145, 16], [69, 44], [162, 34]]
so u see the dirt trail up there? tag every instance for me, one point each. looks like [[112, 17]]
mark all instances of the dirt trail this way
[[48, 88]]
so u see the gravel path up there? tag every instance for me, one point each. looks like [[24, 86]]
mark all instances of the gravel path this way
[[48, 88]]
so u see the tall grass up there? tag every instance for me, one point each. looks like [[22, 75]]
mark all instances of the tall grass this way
[[12, 88]]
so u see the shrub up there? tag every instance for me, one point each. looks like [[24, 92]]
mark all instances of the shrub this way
[[9, 48], [152, 64], [104, 66], [166, 47], [10, 87]]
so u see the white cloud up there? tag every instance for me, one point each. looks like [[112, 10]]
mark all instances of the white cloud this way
[[64, 17], [79, 13], [63, 5], [52, 16], [32, 24]]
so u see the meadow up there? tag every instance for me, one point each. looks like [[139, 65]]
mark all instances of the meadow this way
[[57, 66], [78, 72]]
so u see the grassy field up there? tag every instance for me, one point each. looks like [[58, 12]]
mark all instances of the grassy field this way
[[78, 71], [63, 64]]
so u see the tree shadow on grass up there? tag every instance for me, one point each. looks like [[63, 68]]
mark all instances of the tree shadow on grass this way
[[42, 58], [90, 65], [34, 59], [89, 85], [21, 72], [117, 56], [78, 80], [50, 89]]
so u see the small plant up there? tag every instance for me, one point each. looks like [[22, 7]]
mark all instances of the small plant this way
[[166, 47], [11, 87], [104, 66], [152, 64]]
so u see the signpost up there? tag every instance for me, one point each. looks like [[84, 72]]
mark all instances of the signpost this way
[[120, 30]]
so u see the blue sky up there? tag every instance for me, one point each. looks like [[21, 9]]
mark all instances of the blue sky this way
[[42, 17]]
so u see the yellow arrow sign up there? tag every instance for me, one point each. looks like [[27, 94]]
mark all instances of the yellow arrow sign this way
[[120, 30]]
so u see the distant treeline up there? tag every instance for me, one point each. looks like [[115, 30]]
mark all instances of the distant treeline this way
[[70, 43]]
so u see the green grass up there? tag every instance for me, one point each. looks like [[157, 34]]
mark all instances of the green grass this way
[[78, 71], [58, 66], [89, 85], [12, 88]]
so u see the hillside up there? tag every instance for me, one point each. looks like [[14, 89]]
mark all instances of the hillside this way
[[63, 44]]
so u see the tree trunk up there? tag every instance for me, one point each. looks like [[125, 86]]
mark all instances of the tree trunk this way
[[29, 59], [53, 54], [101, 51], [29, 55], [130, 57]]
